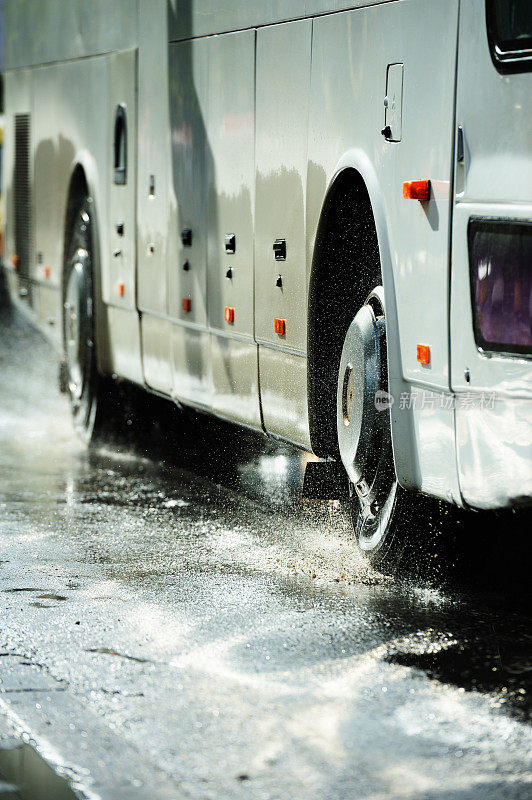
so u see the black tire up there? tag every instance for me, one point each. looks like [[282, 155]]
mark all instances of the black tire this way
[[87, 390], [386, 518]]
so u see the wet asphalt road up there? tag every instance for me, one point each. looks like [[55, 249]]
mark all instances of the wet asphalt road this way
[[176, 622]]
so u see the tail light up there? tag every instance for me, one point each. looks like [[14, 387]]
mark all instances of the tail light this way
[[500, 260]]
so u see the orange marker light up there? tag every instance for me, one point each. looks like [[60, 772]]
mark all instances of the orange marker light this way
[[229, 314], [186, 304], [416, 190], [120, 288], [423, 353], [46, 271], [279, 326], [14, 260]]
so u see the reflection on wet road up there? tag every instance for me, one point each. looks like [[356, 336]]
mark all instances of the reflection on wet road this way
[[176, 622]]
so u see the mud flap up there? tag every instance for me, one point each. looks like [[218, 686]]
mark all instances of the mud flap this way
[[325, 480]]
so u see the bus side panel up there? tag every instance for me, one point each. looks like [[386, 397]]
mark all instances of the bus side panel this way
[[193, 18], [155, 232], [188, 120], [65, 123], [44, 31], [187, 253], [352, 55], [119, 284], [280, 191], [70, 123], [230, 204], [70, 109], [283, 391]]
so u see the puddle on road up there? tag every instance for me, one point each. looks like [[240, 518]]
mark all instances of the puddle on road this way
[[497, 664], [29, 777]]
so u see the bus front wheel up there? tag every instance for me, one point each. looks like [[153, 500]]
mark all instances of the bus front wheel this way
[[84, 385], [379, 506]]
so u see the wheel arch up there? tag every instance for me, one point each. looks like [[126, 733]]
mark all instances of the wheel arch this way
[[336, 291]]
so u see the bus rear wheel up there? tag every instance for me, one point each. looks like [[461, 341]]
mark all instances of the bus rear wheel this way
[[84, 385], [380, 508]]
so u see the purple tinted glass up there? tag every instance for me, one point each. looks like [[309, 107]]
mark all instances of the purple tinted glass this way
[[501, 278]]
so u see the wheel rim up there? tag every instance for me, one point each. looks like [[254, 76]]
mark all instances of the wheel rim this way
[[78, 309], [364, 429], [73, 330]]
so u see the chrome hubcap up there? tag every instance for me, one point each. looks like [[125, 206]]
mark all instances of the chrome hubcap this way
[[359, 381], [363, 426], [73, 332]]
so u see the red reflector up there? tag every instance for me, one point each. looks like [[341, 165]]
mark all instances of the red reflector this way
[[416, 190], [423, 353], [120, 288], [47, 272], [279, 326], [186, 304], [229, 314]]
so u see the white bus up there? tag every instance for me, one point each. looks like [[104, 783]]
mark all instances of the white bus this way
[[310, 217]]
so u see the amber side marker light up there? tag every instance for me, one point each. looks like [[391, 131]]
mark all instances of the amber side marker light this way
[[423, 353], [121, 288], [279, 326], [416, 190], [186, 304], [46, 271], [229, 314], [14, 260]]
